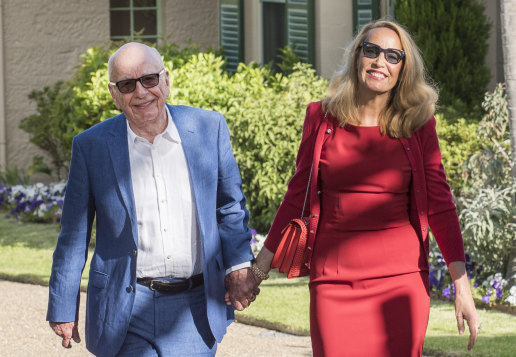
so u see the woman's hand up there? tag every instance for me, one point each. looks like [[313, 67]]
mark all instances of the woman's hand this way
[[464, 305]]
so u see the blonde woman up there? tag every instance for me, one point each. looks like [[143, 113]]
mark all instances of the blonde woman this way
[[377, 187]]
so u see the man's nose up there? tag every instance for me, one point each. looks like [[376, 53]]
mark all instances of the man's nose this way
[[140, 89]]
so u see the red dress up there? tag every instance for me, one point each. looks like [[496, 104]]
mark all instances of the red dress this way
[[369, 294]]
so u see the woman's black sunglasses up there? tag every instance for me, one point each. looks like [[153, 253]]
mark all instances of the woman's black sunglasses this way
[[392, 55]]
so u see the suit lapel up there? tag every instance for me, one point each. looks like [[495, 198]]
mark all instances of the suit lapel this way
[[119, 153]]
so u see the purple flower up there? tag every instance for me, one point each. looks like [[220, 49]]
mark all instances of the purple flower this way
[[446, 292], [499, 294], [59, 202], [476, 285], [486, 298], [253, 232]]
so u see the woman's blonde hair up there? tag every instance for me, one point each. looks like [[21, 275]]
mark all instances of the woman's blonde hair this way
[[412, 101]]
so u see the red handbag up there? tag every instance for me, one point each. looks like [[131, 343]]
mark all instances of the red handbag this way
[[291, 256]]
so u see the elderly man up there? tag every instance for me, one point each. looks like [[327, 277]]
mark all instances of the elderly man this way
[[172, 242]]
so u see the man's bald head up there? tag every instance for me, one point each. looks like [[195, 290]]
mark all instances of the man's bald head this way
[[133, 54]]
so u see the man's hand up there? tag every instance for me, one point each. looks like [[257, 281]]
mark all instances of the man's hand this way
[[241, 288], [67, 330]]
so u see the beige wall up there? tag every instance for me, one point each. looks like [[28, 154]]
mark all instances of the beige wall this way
[[333, 32], [494, 58], [253, 31], [41, 43], [197, 20]]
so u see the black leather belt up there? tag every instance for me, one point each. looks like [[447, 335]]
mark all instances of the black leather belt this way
[[164, 286]]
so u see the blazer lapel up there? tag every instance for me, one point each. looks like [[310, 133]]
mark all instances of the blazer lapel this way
[[119, 153]]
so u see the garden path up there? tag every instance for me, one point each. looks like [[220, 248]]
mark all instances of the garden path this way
[[25, 333]]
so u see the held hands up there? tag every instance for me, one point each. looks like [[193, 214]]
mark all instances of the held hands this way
[[241, 288], [66, 330]]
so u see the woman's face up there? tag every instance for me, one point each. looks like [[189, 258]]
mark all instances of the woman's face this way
[[376, 76]]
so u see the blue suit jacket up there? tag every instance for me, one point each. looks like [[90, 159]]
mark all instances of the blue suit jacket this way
[[99, 185]]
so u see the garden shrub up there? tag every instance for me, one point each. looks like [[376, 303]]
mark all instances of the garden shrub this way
[[264, 111], [487, 207], [458, 139], [453, 38]]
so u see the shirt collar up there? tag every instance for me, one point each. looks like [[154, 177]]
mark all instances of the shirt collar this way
[[170, 132]]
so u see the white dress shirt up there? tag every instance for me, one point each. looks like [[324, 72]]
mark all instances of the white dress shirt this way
[[168, 234]]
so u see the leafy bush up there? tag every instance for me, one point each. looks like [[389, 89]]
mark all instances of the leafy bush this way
[[458, 139], [264, 111], [487, 209], [265, 115], [453, 38], [13, 176]]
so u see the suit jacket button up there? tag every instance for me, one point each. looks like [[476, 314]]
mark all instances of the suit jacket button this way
[[129, 289]]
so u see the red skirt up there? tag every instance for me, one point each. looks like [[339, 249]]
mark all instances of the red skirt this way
[[363, 302]]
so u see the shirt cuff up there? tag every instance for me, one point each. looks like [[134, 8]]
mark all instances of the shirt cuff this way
[[238, 267]]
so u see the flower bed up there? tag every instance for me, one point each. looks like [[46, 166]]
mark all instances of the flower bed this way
[[34, 203]]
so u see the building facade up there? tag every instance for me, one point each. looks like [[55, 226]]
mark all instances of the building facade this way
[[41, 40]]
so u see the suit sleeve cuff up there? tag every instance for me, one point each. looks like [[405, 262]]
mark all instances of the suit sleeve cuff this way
[[238, 267]]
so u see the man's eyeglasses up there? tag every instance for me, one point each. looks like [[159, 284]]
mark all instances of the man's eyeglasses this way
[[129, 85], [392, 55]]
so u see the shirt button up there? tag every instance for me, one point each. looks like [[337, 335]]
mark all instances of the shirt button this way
[[157, 175], [135, 252], [164, 229], [408, 149], [421, 213], [153, 148], [309, 248], [328, 131], [129, 289], [169, 256], [417, 190], [424, 229], [312, 232]]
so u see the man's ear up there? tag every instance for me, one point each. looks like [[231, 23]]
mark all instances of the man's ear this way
[[114, 96]]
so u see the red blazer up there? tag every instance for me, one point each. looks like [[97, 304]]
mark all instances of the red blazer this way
[[430, 197]]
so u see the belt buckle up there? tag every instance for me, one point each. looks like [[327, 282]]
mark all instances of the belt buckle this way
[[151, 285]]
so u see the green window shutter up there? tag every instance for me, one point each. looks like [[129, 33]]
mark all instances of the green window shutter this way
[[300, 28], [232, 32], [365, 11]]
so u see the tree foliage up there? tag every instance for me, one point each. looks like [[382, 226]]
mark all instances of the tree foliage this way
[[452, 36]]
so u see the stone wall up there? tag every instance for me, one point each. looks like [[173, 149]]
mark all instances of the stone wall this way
[[42, 41]]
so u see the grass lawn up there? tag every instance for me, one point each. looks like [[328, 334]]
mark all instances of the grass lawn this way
[[26, 256], [26, 251]]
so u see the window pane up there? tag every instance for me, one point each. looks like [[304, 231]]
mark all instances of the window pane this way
[[118, 3], [145, 20], [120, 23], [144, 3], [273, 31]]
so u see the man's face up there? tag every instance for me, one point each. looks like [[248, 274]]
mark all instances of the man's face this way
[[143, 106]]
